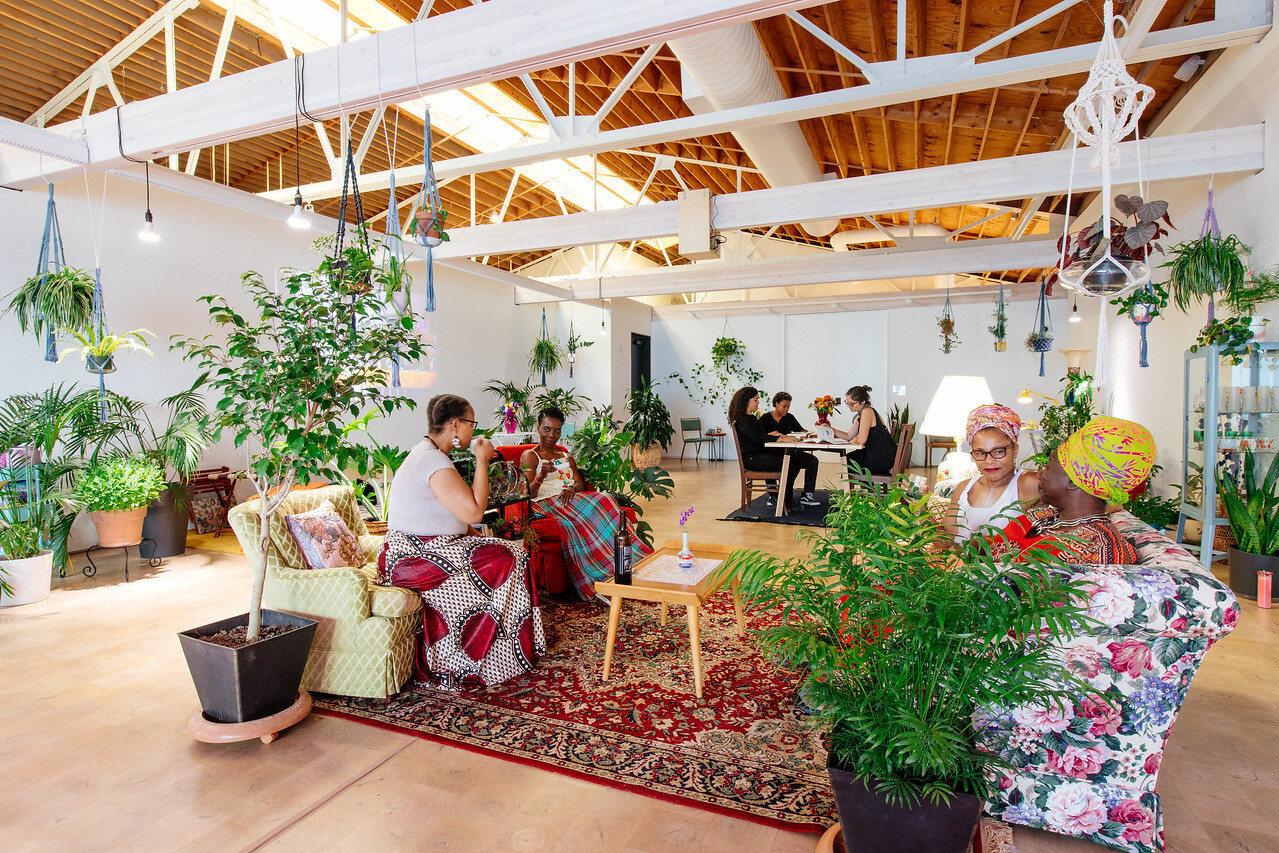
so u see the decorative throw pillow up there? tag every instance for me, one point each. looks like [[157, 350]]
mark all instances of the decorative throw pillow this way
[[324, 539]]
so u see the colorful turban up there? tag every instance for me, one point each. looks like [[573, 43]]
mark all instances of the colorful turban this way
[[1108, 457], [993, 416]]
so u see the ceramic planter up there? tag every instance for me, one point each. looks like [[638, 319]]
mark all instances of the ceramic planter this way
[[99, 363], [1244, 566], [865, 815], [119, 528], [1001, 346], [255, 681], [165, 526], [30, 579]]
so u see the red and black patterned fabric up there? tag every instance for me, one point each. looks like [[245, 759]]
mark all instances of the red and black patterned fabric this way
[[480, 621], [1092, 541], [587, 522]]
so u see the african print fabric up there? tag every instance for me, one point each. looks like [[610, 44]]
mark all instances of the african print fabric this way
[[480, 622], [1092, 541], [587, 522]]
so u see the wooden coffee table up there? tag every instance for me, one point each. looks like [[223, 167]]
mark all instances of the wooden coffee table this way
[[691, 595]]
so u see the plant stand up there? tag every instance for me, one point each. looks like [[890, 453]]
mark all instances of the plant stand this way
[[266, 729], [92, 569]]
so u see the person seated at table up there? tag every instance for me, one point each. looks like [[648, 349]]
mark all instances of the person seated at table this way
[[431, 548], [992, 433], [752, 436], [778, 422], [586, 521], [879, 451], [1101, 463]]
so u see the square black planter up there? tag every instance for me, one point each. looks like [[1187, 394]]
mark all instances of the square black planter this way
[[879, 827], [255, 681]]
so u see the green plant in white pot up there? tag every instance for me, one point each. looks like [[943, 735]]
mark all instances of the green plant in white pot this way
[[115, 492], [26, 567]]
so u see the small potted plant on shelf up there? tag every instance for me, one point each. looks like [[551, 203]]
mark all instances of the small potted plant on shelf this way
[[1252, 508], [427, 226], [116, 493], [901, 647], [97, 346], [1083, 265], [649, 425]]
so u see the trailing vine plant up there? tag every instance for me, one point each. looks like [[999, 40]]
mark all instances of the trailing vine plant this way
[[714, 385]]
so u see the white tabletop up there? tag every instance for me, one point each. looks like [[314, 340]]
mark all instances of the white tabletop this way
[[836, 446]]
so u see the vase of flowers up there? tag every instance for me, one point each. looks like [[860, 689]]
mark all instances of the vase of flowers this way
[[510, 416], [824, 407], [685, 555]]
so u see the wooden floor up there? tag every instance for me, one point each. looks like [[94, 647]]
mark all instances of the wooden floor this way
[[94, 755]]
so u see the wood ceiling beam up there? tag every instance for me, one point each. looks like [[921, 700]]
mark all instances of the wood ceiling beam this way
[[358, 75]]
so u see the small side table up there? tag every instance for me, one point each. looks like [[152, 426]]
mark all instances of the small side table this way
[[717, 434]]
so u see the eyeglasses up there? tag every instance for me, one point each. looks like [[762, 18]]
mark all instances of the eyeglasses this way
[[469, 421], [993, 453]]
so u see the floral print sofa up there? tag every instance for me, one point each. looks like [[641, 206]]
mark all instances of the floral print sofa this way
[[1090, 772]]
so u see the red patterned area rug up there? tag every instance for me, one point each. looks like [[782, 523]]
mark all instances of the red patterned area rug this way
[[741, 750]]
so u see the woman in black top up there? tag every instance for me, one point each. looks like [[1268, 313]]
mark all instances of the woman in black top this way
[[753, 434], [880, 451]]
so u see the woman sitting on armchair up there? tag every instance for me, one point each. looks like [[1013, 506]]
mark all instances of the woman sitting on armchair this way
[[480, 624], [587, 521]]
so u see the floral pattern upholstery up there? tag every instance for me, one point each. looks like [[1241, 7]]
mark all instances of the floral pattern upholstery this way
[[364, 643], [1090, 771]]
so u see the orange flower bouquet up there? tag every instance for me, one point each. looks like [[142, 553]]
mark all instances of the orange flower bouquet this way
[[824, 406]]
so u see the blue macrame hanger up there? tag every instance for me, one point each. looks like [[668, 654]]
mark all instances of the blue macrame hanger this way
[[53, 259], [428, 197], [544, 337], [1043, 323]]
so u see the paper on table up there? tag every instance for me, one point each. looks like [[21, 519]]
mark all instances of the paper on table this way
[[665, 569]]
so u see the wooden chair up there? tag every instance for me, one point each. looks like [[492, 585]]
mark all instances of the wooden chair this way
[[935, 442], [219, 482], [750, 478], [690, 432], [901, 462]]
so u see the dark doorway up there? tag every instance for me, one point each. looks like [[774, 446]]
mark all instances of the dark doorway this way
[[641, 362]]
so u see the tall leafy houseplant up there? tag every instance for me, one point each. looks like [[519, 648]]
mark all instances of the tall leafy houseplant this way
[[566, 401], [1060, 420], [1252, 507], [600, 452], [902, 646], [650, 420], [288, 375]]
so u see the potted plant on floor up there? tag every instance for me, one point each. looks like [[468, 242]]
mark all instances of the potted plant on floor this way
[[600, 451], [901, 647], [116, 493], [97, 346], [288, 375], [1252, 507], [649, 425], [26, 569]]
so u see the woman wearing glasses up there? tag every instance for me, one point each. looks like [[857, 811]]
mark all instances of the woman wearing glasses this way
[[989, 497], [480, 624]]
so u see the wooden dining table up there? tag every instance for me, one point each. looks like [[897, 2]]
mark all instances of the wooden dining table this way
[[837, 446]]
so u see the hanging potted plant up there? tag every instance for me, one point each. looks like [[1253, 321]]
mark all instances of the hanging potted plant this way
[[575, 343], [47, 302], [1084, 263], [1232, 336], [649, 426], [97, 346], [1252, 508], [713, 384], [901, 647], [546, 355], [1142, 306], [946, 323], [116, 493], [1200, 268], [1000, 327], [427, 226]]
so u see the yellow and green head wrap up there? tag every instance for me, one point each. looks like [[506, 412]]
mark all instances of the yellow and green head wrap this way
[[1108, 457]]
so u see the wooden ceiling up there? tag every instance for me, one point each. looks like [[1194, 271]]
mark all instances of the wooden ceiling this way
[[46, 44]]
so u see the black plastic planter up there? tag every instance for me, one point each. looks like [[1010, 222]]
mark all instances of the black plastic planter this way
[[165, 526], [1244, 566], [258, 680], [878, 827]]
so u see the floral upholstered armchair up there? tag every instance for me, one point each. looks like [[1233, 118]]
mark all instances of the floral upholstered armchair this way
[[1089, 771], [364, 644]]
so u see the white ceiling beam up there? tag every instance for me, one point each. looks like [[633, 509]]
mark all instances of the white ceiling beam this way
[[1138, 26], [965, 292], [35, 142], [517, 36], [1229, 150], [922, 78]]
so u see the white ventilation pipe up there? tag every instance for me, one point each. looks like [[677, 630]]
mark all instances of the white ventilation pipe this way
[[731, 68], [900, 234]]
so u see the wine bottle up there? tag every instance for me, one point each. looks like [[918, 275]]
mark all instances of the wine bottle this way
[[622, 550]]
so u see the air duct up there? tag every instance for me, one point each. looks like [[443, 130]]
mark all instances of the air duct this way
[[731, 69], [901, 235]]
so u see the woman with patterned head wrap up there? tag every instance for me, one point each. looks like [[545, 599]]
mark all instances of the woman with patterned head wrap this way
[[1101, 463], [992, 436]]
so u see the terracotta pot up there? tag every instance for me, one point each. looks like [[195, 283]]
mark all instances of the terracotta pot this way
[[30, 579], [428, 230], [119, 528]]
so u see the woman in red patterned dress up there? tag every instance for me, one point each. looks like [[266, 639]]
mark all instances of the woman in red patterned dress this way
[[481, 624]]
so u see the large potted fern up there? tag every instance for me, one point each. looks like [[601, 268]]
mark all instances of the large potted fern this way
[[1252, 507], [900, 647]]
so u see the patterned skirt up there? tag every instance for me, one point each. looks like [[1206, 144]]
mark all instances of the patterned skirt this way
[[480, 623], [587, 523]]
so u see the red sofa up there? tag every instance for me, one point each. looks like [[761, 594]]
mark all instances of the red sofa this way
[[547, 561]]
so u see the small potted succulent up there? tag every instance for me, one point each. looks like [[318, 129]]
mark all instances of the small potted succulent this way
[[97, 346], [116, 493]]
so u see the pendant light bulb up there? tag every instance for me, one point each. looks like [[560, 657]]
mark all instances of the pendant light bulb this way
[[1074, 311], [147, 234], [298, 218]]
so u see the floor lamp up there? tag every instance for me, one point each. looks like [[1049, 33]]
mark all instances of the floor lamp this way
[[947, 414]]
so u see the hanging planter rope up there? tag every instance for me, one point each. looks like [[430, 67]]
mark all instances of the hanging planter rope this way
[[1000, 327], [428, 219], [946, 322], [53, 259], [1141, 312], [1040, 339]]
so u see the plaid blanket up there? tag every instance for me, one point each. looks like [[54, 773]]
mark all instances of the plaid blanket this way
[[587, 523]]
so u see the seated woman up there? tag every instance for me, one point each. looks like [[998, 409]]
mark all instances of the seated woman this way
[[587, 521], [992, 436], [879, 451], [751, 438], [778, 423], [480, 624], [1102, 462]]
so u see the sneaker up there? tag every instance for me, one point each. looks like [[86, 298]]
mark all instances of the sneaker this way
[[808, 499], [770, 500]]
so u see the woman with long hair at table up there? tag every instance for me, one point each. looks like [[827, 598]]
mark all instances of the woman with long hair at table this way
[[879, 451], [751, 438]]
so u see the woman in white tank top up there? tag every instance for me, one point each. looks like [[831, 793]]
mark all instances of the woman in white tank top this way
[[992, 436]]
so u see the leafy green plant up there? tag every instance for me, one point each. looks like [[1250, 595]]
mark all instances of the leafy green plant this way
[[1135, 240], [509, 392], [1232, 336], [546, 356], [727, 372], [1038, 342], [1252, 507], [1261, 287], [288, 375], [1199, 268], [119, 484], [898, 417], [1159, 513], [19, 540], [352, 269], [946, 324], [600, 452], [903, 647], [650, 420], [1059, 420], [1152, 294], [47, 302], [96, 342], [999, 328], [426, 218], [557, 398]]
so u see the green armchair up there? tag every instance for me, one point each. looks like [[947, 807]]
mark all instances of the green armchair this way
[[364, 644]]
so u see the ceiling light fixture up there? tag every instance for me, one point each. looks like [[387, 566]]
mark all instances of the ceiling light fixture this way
[[1074, 310], [147, 234], [298, 218]]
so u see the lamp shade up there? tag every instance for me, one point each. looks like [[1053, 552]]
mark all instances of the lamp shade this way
[[955, 397]]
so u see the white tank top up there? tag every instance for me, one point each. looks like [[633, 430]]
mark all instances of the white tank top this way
[[972, 517]]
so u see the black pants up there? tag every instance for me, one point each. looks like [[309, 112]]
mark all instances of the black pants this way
[[771, 460]]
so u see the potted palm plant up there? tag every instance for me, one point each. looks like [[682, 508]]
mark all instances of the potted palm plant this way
[[26, 569], [116, 493], [287, 376], [97, 346], [649, 425], [1252, 508], [901, 646], [26, 561]]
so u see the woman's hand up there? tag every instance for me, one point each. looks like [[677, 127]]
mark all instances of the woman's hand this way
[[483, 450]]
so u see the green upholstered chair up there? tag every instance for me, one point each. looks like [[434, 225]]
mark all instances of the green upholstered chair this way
[[364, 644]]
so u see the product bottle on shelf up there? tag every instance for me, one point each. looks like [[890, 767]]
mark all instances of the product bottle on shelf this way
[[622, 550]]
